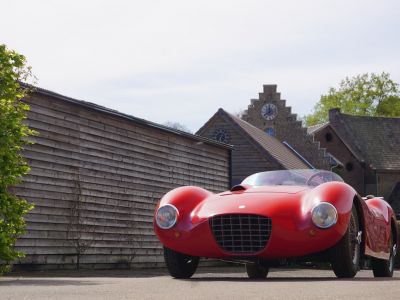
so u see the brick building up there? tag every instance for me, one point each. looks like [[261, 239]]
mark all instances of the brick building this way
[[368, 148], [254, 151], [270, 114]]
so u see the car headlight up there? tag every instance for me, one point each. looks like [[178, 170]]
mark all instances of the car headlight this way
[[324, 215], [166, 216]]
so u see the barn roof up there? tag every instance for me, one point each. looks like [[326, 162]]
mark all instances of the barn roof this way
[[375, 140], [140, 121], [270, 145]]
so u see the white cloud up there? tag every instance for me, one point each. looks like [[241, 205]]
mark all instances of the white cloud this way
[[182, 60]]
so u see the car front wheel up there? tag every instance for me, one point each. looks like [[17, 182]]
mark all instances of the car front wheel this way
[[256, 271], [180, 265], [346, 254]]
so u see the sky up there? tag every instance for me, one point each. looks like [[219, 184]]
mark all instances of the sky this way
[[179, 61]]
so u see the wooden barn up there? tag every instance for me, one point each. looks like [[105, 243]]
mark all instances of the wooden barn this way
[[96, 175]]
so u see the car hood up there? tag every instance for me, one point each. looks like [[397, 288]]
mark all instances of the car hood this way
[[266, 201]]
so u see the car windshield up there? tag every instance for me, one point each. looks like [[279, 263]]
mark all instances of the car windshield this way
[[306, 177]]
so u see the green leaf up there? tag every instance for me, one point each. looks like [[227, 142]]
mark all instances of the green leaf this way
[[364, 95], [13, 137]]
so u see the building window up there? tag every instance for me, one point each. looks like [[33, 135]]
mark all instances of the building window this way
[[349, 167], [270, 131], [328, 137]]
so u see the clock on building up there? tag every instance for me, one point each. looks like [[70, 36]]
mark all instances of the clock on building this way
[[269, 111], [221, 135]]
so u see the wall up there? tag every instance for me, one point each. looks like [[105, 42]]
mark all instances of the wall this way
[[287, 127], [353, 172], [362, 178], [246, 158], [95, 180], [386, 182]]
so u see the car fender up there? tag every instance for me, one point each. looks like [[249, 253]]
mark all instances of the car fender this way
[[184, 199], [340, 195], [381, 222]]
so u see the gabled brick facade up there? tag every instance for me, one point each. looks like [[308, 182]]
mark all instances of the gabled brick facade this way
[[253, 151], [368, 148], [283, 124]]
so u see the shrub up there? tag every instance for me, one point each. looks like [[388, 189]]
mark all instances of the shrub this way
[[13, 137]]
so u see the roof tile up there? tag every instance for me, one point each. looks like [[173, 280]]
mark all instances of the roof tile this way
[[270, 144], [374, 139]]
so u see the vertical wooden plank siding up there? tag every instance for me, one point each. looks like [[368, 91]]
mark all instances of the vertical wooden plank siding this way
[[95, 180]]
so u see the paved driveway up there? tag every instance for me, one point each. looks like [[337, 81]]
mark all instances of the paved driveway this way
[[232, 283]]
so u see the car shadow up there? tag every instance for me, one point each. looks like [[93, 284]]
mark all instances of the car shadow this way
[[290, 279], [85, 274], [44, 282]]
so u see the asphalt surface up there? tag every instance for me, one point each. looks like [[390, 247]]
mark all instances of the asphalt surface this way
[[227, 283]]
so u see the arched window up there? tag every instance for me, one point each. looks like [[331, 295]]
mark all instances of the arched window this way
[[270, 131], [349, 167], [328, 137]]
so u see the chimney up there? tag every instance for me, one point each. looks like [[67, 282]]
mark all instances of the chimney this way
[[269, 88], [333, 113]]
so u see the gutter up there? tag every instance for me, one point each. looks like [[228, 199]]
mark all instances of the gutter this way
[[298, 155]]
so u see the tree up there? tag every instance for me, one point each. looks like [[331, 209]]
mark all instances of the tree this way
[[178, 126], [239, 113], [363, 95], [13, 138]]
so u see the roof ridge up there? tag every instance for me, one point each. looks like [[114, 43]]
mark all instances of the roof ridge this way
[[368, 117], [114, 112], [283, 156], [375, 139]]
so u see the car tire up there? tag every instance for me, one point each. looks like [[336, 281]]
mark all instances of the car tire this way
[[256, 271], [180, 265], [345, 255], [382, 267]]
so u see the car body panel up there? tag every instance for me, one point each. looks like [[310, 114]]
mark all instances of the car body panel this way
[[378, 218], [289, 207]]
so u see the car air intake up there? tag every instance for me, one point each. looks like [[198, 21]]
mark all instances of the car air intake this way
[[239, 233]]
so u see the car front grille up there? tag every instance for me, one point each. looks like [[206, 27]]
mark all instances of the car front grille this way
[[241, 233]]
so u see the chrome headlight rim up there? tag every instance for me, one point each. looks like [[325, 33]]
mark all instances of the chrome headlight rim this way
[[175, 219], [328, 205]]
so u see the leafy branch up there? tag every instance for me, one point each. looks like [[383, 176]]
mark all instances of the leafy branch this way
[[13, 138]]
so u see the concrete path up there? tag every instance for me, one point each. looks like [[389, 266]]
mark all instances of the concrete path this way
[[227, 283]]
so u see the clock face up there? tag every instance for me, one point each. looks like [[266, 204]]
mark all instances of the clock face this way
[[269, 111], [221, 135]]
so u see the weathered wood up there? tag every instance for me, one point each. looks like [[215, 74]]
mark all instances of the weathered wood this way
[[118, 129], [95, 180]]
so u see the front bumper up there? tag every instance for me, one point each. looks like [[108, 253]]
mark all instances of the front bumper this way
[[289, 237]]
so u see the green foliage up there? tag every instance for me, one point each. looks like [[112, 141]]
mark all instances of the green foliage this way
[[176, 125], [363, 95], [13, 138]]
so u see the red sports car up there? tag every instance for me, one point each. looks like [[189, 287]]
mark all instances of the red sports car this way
[[303, 214]]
